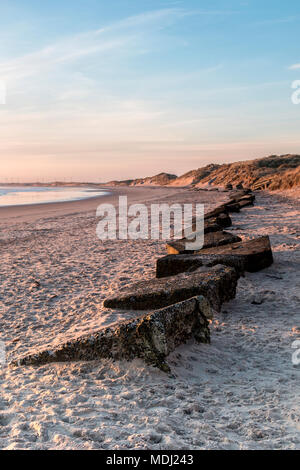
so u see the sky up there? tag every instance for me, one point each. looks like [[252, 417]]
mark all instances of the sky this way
[[99, 90]]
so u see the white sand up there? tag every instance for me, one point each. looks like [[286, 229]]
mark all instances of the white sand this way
[[242, 391]]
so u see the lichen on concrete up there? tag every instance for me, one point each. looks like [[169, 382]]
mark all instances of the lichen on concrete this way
[[150, 337], [217, 284]]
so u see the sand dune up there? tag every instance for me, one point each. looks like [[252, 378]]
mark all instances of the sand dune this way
[[273, 172]]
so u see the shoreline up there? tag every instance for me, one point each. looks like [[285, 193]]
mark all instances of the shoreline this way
[[15, 210], [82, 205], [66, 201]]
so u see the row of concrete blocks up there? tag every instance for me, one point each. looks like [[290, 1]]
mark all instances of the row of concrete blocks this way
[[176, 306]]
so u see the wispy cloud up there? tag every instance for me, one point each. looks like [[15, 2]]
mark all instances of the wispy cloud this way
[[123, 35], [60, 53], [120, 35], [294, 67]]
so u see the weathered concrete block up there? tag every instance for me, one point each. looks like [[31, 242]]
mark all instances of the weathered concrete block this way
[[171, 265], [210, 226], [236, 196], [256, 253], [177, 247], [248, 197], [233, 207], [150, 337], [252, 256], [217, 284], [215, 224], [224, 220], [245, 203], [238, 199], [215, 212]]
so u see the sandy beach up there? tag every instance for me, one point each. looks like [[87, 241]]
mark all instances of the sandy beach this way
[[240, 392]]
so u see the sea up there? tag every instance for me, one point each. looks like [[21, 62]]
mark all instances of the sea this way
[[20, 196]]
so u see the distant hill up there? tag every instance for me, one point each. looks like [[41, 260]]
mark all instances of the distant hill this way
[[273, 172], [162, 179]]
